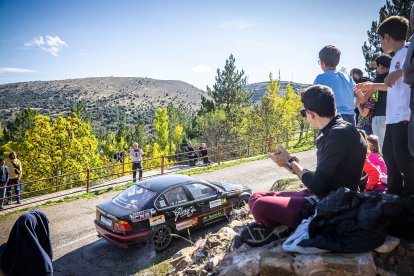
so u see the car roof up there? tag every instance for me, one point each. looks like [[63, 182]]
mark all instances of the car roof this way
[[160, 183]]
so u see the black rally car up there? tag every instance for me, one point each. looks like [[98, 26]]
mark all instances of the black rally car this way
[[153, 209]]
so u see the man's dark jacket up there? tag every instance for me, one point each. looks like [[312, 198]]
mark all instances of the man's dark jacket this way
[[340, 158], [352, 222]]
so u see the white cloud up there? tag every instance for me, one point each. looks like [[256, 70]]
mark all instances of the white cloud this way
[[4, 70], [201, 68], [236, 24], [50, 44]]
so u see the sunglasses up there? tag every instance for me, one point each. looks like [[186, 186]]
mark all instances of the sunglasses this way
[[302, 112]]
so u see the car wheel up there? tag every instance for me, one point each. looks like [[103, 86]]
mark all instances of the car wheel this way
[[242, 202], [161, 237]]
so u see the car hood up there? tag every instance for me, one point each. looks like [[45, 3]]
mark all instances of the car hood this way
[[117, 210]]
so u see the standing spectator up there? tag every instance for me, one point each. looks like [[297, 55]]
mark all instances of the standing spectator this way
[[204, 153], [400, 163], [341, 84], [136, 153], [4, 178], [375, 156], [408, 74], [15, 170], [382, 63]]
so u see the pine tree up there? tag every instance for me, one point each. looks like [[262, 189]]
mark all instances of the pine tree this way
[[372, 48]]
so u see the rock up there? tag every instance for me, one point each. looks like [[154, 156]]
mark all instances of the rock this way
[[280, 264], [235, 223], [182, 258], [335, 264], [389, 245]]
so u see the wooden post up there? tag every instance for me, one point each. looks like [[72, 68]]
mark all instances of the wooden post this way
[[218, 154], [88, 179], [57, 176], [162, 164], [248, 149]]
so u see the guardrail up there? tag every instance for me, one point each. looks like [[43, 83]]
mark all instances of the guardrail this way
[[92, 179]]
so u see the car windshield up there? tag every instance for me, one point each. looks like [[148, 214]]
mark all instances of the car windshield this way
[[134, 197]]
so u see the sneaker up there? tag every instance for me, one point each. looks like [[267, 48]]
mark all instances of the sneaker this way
[[257, 235]]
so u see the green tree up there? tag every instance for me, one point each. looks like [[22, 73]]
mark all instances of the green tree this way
[[229, 92], [16, 127], [79, 109], [372, 48], [160, 124]]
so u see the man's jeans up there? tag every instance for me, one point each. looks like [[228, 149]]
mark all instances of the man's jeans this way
[[378, 128], [135, 166], [349, 118], [2, 193], [16, 189]]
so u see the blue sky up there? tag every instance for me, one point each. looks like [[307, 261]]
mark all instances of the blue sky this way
[[178, 40]]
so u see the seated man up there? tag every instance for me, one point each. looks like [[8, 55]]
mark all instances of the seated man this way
[[340, 157]]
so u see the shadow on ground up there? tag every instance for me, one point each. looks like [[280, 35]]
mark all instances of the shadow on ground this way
[[102, 258]]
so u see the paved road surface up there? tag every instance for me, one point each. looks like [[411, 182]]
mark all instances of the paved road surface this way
[[78, 251]]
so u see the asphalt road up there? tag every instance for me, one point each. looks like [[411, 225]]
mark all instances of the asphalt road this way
[[78, 251]]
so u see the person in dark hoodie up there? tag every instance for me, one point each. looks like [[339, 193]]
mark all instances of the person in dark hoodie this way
[[28, 250], [4, 178]]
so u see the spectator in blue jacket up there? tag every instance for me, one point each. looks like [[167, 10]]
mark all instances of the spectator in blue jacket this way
[[4, 178]]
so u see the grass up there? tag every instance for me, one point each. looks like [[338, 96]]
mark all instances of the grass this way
[[157, 269]]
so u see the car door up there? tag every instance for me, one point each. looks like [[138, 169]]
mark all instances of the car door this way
[[207, 198], [180, 208]]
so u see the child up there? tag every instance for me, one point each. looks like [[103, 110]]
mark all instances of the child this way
[[375, 157], [4, 178], [365, 114], [341, 84], [400, 164]]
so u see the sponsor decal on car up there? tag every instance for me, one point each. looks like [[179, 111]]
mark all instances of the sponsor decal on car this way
[[186, 224], [215, 203], [213, 216], [184, 212], [157, 220], [141, 215]]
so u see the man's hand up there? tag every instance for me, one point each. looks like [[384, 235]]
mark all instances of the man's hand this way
[[392, 78], [364, 87], [280, 158]]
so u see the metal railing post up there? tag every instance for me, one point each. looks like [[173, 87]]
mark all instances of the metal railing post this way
[[218, 154], [123, 167], [162, 164], [314, 136], [270, 142], [88, 179], [287, 139]]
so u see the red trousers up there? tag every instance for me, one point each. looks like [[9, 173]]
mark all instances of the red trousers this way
[[275, 208]]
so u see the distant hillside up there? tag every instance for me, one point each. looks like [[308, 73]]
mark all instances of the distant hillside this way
[[260, 88], [108, 99]]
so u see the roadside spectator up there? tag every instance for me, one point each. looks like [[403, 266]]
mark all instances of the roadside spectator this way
[[28, 250], [365, 114], [204, 153], [358, 77], [15, 173], [136, 153], [4, 178], [371, 179], [380, 97], [408, 74], [341, 84], [400, 163], [341, 152], [375, 157], [192, 155]]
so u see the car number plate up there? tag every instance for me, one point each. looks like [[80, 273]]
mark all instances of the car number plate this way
[[106, 221]]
